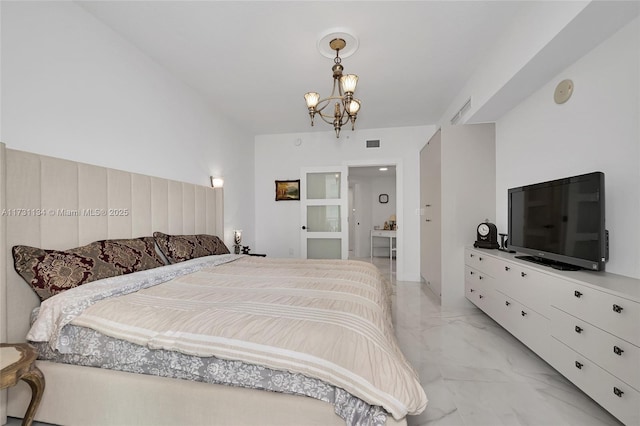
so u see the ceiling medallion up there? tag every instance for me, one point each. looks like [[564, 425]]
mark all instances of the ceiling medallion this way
[[346, 107]]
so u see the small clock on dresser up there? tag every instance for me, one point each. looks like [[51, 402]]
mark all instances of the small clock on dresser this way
[[486, 236]]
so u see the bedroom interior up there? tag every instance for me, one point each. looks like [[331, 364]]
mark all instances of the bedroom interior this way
[[137, 106]]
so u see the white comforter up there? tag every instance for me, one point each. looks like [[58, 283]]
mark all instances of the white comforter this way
[[325, 319]]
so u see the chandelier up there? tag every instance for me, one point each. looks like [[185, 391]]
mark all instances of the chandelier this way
[[346, 107]]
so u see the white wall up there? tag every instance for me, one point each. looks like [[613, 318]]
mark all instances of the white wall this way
[[380, 213], [74, 89], [597, 129], [277, 157]]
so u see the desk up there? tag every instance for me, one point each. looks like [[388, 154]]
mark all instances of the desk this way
[[18, 363], [391, 235]]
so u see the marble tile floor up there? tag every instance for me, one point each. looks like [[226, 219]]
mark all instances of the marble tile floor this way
[[476, 373], [473, 371]]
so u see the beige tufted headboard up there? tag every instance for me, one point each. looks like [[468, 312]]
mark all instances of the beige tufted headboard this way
[[59, 204]]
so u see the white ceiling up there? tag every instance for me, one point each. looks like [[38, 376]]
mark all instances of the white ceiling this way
[[255, 60]]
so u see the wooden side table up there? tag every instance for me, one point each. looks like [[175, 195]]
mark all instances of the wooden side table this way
[[18, 362]]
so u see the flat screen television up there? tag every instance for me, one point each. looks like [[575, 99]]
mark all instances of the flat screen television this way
[[560, 223]]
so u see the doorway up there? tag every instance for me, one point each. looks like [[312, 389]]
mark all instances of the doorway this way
[[373, 202]]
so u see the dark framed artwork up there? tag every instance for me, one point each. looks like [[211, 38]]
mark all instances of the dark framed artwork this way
[[287, 190]]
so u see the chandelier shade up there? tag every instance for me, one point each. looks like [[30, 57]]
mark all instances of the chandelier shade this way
[[354, 107], [312, 99], [345, 106], [349, 83]]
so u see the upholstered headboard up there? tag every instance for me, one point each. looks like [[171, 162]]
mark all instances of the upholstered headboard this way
[[59, 204]]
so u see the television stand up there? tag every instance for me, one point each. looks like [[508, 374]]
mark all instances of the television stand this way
[[542, 307], [552, 263]]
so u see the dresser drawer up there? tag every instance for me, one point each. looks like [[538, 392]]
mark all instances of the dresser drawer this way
[[617, 397], [617, 356], [480, 261], [479, 278], [616, 315], [527, 286], [479, 290], [524, 323]]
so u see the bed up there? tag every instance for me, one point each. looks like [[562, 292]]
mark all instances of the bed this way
[[59, 204]]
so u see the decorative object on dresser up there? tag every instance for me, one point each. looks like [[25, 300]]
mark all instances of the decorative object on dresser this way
[[18, 362], [504, 241], [584, 324], [486, 236]]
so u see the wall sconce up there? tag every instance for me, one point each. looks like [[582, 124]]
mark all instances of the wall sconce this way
[[217, 182], [237, 239]]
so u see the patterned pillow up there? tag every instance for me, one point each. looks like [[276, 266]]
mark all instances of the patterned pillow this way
[[178, 248], [50, 272]]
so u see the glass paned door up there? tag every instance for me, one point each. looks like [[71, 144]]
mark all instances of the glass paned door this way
[[324, 196]]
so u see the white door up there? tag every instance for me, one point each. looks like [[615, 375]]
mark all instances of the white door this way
[[431, 225], [324, 213]]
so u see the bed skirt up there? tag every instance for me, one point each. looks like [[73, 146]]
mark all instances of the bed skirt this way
[[88, 396]]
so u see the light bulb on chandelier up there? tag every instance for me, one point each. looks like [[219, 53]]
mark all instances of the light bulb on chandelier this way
[[346, 107]]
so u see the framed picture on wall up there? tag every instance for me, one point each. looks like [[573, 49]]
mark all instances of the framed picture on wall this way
[[287, 190]]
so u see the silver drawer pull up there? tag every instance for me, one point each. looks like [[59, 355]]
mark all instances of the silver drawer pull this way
[[471, 255], [507, 303], [577, 294], [522, 274], [480, 296], [471, 290], [617, 308], [480, 259], [480, 277], [579, 365], [617, 392], [579, 329], [617, 350], [506, 268], [471, 272], [523, 313]]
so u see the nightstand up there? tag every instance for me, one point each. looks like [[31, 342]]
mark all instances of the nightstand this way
[[247, 249], [18, 362]]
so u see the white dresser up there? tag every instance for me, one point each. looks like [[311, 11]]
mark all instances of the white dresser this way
[[585, 324]]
